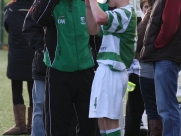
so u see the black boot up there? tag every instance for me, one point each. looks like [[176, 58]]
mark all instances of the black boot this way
[[155, 127]]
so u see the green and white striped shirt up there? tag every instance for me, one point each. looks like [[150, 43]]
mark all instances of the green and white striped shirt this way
[[119, 39]]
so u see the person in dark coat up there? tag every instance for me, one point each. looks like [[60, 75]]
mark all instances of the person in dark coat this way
[[147, 84], [34, 35], [162, 47], [19, 69]]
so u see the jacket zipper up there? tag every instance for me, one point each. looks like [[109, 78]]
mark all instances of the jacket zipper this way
[[70, 9], [70, 5]]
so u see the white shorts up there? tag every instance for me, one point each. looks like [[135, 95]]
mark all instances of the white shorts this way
[[108, 89]]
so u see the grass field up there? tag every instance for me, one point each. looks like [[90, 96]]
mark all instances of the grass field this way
[[6, 112]]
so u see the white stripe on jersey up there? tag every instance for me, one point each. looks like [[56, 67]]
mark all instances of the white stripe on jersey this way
[[124, 19], [115, 64], [111, 44]]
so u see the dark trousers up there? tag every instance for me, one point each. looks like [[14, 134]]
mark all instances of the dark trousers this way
[[63, 89], [17, 92], [134, 109], [149, 97], [74, 127]]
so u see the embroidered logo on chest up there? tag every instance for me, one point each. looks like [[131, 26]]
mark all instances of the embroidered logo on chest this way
[[82, 19], [61, 20]]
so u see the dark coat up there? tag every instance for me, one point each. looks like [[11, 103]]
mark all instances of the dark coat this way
[[141, 28], [34, 35], [20, 55], [172, 50]]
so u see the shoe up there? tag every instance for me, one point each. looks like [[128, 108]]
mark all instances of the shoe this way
[[20, 125]]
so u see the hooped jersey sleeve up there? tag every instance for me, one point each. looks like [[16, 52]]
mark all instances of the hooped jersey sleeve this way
[[119, 20]]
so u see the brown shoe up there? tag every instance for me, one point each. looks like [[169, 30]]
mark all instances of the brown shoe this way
[[155, 127], [20, 125], [30, 110]]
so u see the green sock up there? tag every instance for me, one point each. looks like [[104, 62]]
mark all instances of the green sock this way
[[115, 133]]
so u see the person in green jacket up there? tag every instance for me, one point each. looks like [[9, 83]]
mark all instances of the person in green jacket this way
[[70, 65]]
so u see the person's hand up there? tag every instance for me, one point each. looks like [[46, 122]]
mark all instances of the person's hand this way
[[87, 3]]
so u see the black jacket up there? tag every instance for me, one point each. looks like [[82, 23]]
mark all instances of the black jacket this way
[[34, 35], [171, 51], [20, 55]]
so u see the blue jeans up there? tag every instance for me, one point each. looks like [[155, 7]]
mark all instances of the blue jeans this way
[[38, 103], [148, 93], [166, 76]]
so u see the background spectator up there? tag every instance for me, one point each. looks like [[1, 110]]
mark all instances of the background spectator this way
[[162, 47], [20, 57]]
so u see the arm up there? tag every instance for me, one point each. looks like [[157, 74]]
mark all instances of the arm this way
[[92, 26], [171, 22], [94, 17], [41, 11], [99, 15], [33, 33]]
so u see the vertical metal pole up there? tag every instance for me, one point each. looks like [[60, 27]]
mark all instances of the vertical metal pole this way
[[2, 26]]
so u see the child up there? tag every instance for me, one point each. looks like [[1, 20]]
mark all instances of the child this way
[[115, 55]]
